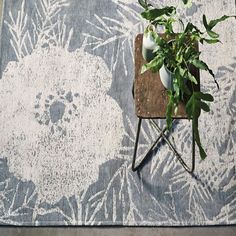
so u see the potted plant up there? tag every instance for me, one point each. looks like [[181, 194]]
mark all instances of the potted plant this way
[[174, 55]]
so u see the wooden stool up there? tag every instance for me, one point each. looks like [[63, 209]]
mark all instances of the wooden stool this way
[[151, 100]]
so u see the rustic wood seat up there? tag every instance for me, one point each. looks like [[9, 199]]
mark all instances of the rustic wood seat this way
[[149, 94], [151, 99]]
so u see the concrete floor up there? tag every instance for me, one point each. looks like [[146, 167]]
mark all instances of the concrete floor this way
[[126, 231], [206, 231]]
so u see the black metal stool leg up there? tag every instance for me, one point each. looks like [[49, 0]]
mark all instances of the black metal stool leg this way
[[135, 168], [136, 144], [189, 170]]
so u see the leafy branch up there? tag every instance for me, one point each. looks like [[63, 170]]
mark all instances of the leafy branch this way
[[178, 53], [194, 107]]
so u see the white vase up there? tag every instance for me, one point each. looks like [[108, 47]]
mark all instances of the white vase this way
[[148, 44], [166, 77]]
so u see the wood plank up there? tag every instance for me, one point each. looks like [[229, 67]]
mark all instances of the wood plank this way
[[150, 96]]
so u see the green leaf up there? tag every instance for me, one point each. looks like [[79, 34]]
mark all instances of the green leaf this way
[[187, 3], [152, 14], [169, 110], [144, 4], [191, 52], [144, 68], [153, 65], [203, 66], [188, 107], [190, 27], [181, 38], [193, 110], [158, 40], [205, 22], [169, 26], [199, 64], [176, 89], [213, 23], [203, 106], [179, 75], [203, 154], [192, 78], [212, 34], [209, 41], [204, 96], [209, 26], [182, 71]]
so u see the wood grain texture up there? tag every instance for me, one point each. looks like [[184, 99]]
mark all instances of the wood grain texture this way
[[151, 97]]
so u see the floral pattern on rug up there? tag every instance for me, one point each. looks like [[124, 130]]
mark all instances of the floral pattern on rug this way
[[68, 124]]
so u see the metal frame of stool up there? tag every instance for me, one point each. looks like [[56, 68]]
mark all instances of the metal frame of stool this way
[[161, 136]]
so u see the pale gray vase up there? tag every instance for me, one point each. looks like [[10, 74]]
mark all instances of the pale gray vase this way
[[166, 77], [148, 46]]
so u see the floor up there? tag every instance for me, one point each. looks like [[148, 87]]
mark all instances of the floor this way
[[207, 231], [157, 231]]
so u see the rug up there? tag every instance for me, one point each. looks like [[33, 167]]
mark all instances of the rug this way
[[68, 124]]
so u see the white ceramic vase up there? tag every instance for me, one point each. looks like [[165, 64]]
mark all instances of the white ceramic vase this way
[[148, 44], [166, 77]]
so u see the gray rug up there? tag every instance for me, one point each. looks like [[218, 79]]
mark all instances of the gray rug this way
[[68, 125]]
